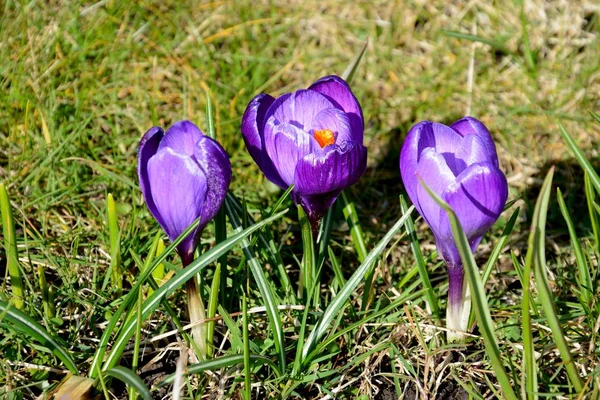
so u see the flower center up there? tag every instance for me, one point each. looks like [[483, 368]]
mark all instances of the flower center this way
[[324, 137]]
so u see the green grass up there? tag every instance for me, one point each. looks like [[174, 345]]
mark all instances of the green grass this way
[[81, 82]]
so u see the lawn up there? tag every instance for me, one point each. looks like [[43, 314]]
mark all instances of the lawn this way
[[81, 82]]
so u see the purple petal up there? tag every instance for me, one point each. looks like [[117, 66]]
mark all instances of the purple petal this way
[[477, 197], [471, 126], [472, 151], [320, 177], [331, 170], [335, 120], [253, 123], [298, 108], [182, 137], [148, 148], [421, 136], [436, 174], [215, 164], [178, 188], [285, 145], [339, 93]]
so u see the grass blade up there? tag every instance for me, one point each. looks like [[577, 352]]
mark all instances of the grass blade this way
[[545, 294], [478, 297], [348, 74], [114, 242], [129, 377], [580, 157], [258, 274], [432, 299], [177, 282], [10, 247], [222, 362], [584, 279], [590, 195], [338, 302], [247, 382], [34, 330], [530, 389]]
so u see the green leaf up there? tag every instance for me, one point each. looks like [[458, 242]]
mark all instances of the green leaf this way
[[348, 74], [478, 297], [432, 299], [129, 377], [580, 157], [34, 330], [545, 294], [584, 279], [222, 362], [10, 247], [339, 301], [271, 302], [177, 281]]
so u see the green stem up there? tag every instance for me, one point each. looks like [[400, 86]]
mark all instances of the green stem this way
[[307, 272]]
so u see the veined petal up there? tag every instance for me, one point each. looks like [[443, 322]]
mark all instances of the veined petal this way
[[182, 137], [253, 124], [148, 148], [285, 145], [471, 126], [477, 197], [434, 171], [339, 93], [335, 120], [178, 188], [421, 136], [214, 162], [298, 108], [472, 151], [330, 170]]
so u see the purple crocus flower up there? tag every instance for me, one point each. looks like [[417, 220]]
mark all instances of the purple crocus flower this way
[[460, 164], [311, 138], [183, 175]]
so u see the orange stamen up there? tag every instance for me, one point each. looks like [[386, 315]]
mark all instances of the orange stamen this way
[[324, 137]]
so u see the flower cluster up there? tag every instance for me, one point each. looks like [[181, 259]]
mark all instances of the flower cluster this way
[[313, 139]]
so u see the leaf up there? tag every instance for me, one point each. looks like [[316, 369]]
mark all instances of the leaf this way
[[34, 330], [339, 301], [129, 377]]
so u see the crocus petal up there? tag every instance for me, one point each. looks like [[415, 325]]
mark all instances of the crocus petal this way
[[182, 137], [421, 136], [335, 120], [330, 170], [436, 174], [320, 177], [285, 145], [472, 151], [253, 123], [148, 148], [215, 164], [477, 197], [178, 191], [299, 108], [471, 126], [339, 93]]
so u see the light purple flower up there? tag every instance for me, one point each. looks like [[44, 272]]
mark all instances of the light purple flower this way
[[311, 138], [183, 175], [460, 164]]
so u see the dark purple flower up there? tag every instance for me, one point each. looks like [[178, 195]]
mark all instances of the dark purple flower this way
[[460, 164], [311, 138], [183, 175]]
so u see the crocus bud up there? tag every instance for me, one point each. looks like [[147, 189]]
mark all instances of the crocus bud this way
[[311, 138], [460, 164], [183, 175]]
